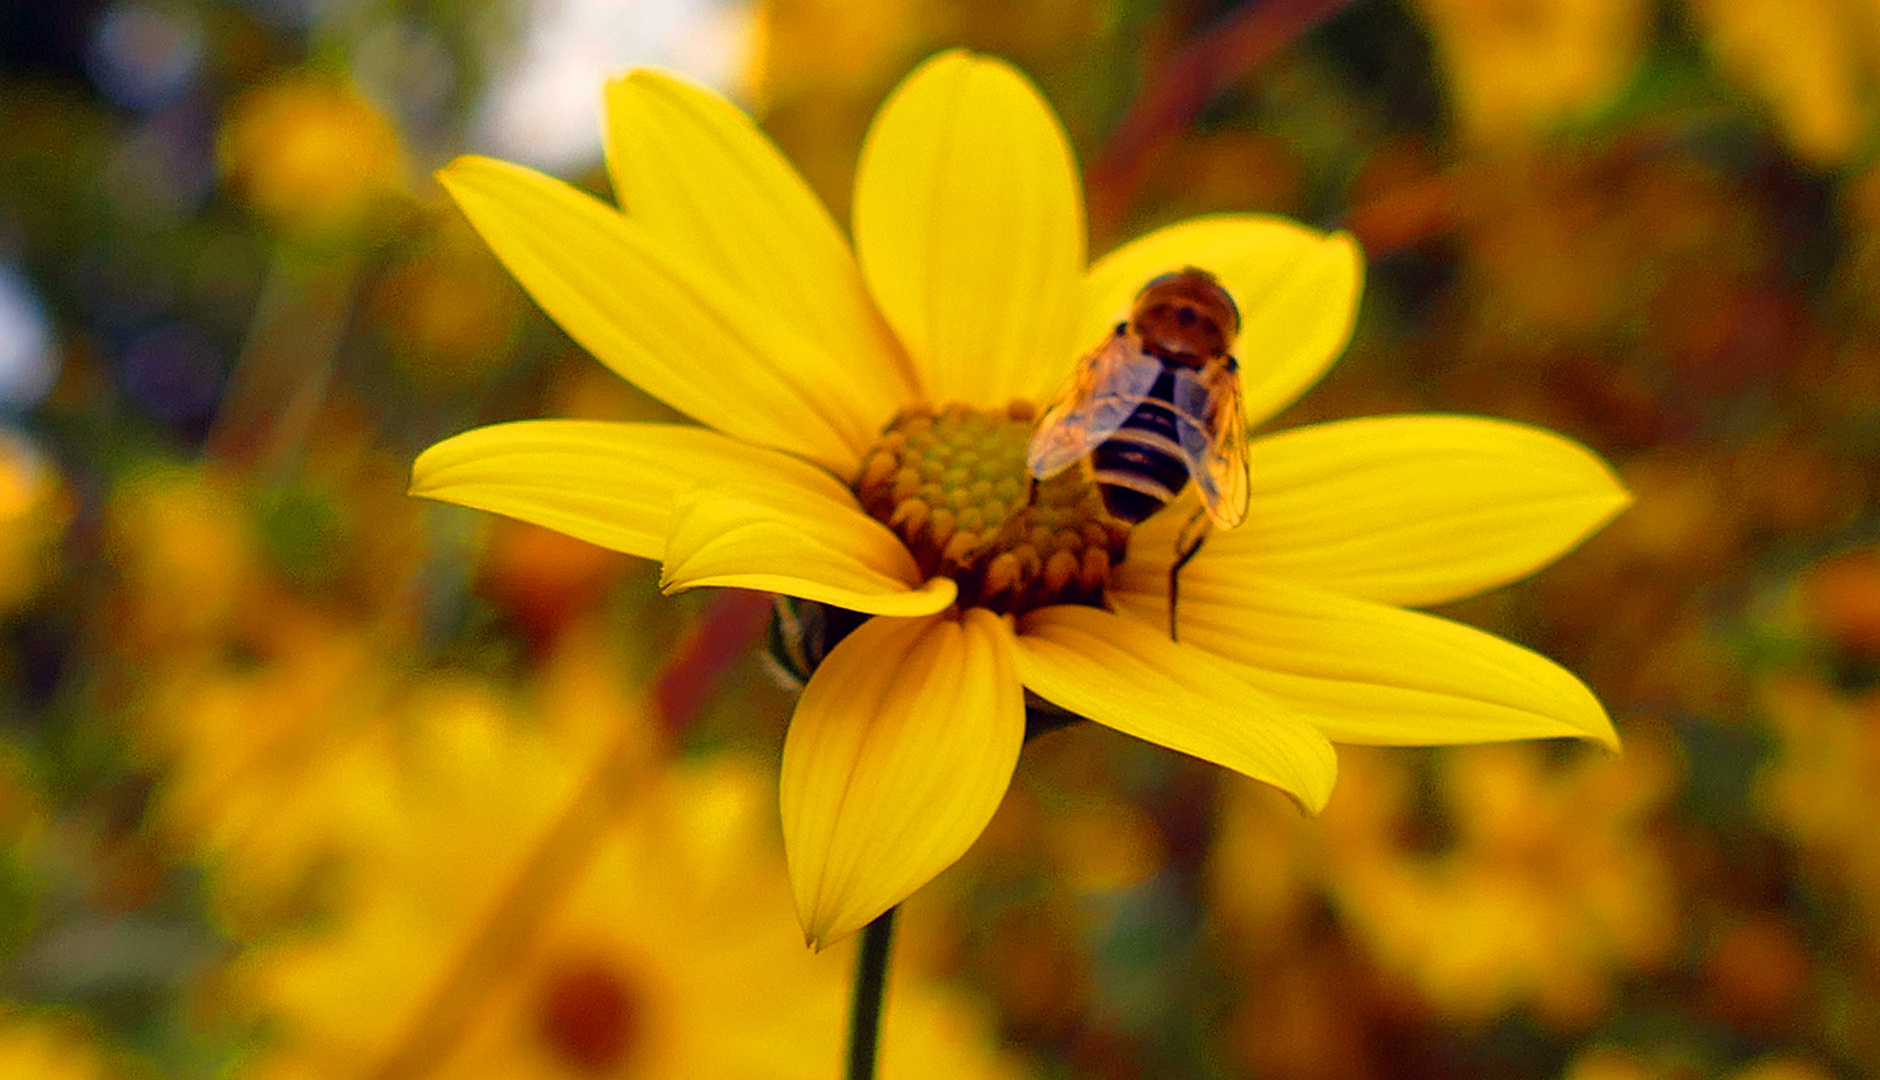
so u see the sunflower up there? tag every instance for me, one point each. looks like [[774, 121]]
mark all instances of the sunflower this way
[[862, 419]]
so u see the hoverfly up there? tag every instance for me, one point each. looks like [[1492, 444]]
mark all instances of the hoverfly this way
[[1156, 405]]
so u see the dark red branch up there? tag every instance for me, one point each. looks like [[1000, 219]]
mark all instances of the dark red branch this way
[[1171, 99], [733, 622]]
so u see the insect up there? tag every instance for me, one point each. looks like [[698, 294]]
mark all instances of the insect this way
[[1155, 405]]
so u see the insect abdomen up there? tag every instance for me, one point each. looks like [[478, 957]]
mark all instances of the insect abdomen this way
[[1140, 467]]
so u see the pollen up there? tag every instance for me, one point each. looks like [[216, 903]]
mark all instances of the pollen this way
[[952, 483]]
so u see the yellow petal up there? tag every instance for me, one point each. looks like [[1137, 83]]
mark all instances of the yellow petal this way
[[661, 319], [802, 540], [1297, 290], [608, 484], [696, 173], [901, 747], [969, 222], [1402, 510], [1370, 673], [1125, 674]]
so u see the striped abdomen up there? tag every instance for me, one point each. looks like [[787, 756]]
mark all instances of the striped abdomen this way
[[1141, 467]]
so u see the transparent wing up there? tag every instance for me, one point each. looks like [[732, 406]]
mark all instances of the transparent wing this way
[[1213, 435], [1110, 382]]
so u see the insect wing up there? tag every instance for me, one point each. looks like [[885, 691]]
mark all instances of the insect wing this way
[[1110, 382], [1213, 434]]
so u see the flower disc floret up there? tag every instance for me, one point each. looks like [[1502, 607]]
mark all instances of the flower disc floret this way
[[953, 485]]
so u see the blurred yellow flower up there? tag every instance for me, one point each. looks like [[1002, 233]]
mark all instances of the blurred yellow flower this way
[[1814, 63], [1821, 787], [450, 314], [257, 738], [817, 66], [35, 509], [1520, 68], [313, 158], [1553, 885], [809, 46], [235, 686], [45, 1045], [1550, 886], [662, 949], [241, 744], [726, 290], [1610, 1063], [181, 543]]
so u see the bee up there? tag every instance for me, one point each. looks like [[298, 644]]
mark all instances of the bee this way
[[1155, 405]]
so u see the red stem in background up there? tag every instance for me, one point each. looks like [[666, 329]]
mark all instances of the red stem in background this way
[[1170, 99], [730, 627]]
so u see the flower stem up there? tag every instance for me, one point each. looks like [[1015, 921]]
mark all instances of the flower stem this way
[[871, 985], [1172, 97]]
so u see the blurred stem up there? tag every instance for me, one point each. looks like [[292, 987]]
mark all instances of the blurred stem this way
[[280, 380], [732, 626], [1171, 98], [871, 986]]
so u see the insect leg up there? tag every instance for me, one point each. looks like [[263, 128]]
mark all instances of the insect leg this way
[[1194, 533]]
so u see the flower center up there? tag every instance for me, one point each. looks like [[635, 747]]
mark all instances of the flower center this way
[[953, 484], [588, 1015]]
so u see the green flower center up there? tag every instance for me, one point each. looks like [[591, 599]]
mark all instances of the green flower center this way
[[953, 484]]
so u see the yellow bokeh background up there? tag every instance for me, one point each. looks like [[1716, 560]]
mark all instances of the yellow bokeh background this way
[[301, 777]]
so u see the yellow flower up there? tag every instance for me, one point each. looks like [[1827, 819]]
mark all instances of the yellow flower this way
[[1516, 70], [35, 509], [51, 1045], [662, 947], [1819, 788], [1813, 63], [1550, 887], [725, 289], [312, 157], [1613, 1063]]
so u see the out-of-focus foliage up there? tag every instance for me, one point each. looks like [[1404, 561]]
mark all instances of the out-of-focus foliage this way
[[299, 777]]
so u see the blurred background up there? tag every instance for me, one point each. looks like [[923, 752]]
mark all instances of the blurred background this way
[[300, 777]]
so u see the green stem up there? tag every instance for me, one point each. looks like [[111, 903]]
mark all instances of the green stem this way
[[871, 985]]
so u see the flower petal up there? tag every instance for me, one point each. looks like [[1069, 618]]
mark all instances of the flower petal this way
[[1402, 510], [801, 540], [969, 222], [900, 750], [1369, 673], [1124, 674], [1297, 290], [696, 173], [606, 483], [663, 321]]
